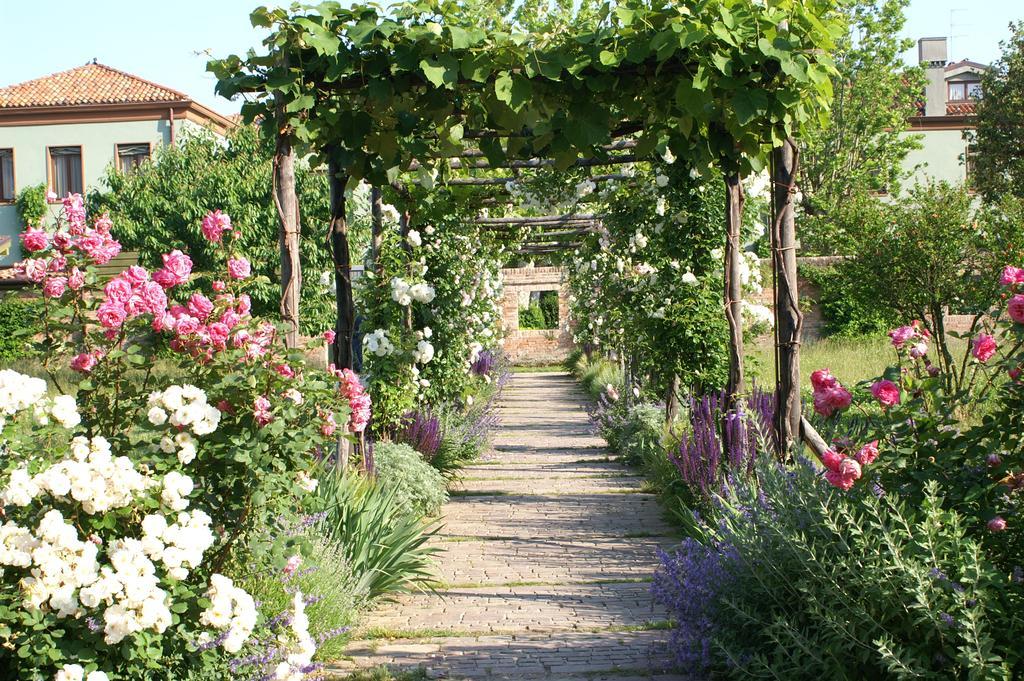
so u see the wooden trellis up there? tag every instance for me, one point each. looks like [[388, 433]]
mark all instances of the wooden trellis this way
[[376, 96]]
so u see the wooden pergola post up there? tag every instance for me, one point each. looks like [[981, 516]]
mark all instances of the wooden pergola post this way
[[345, 322], [733, 288], [788, 317], [286, 201], [376, 224]]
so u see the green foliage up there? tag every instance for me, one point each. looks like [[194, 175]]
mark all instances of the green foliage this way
[[862, 146], [159, 207], [419, 489], [719, 62], [931, 251], [649, 286], [822, 584], [324, 575], [20, 319], [31, 204], [849, 310], [640, 437], [384, 546], [999, 164], [532, 317]]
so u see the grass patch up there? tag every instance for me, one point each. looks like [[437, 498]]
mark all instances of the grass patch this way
[[539, 369], [850, 359]]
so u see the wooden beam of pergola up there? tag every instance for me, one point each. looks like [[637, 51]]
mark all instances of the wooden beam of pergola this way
[[484, 164], [501, 181], [539, 219]]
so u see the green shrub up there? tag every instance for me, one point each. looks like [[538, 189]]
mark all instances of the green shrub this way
[[549, 309], [418, 487], [848, 309], [31, 204], [385, 548], [798, 580], [598, 374], [641, 434], [532, 317], [19, 319], [326, 576]]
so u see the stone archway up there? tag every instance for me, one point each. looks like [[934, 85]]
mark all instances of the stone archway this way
[[535, 346]]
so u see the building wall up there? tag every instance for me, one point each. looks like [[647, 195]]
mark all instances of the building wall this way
[[535, 346], [940, 157], [98, 141]]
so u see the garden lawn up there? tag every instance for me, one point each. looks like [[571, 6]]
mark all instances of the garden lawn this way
[[850, 359]]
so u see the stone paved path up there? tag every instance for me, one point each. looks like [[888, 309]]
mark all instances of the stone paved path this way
[[549, 549]]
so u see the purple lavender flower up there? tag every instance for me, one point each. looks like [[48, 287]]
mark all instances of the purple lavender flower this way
[[484, 364], [422, 431]]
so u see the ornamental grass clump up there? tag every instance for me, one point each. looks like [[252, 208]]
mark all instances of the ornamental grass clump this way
[[130, 505]]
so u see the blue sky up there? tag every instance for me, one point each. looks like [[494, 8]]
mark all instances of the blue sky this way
[[164, 41]]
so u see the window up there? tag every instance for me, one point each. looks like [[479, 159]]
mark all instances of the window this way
[[974, 90], [66, 170], [6, 175], [131, 156], [540, 312], [957, 92]]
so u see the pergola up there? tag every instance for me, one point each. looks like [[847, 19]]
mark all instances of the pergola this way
[[436, 88]]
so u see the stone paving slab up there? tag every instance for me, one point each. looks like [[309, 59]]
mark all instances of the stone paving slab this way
[[631, 655], [547, 516], [532, 608], [555, 561], [549, 547]]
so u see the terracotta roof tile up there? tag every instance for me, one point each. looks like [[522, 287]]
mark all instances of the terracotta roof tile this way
[[90, 84]]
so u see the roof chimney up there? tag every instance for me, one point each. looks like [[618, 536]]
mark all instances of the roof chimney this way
[[933, 53]]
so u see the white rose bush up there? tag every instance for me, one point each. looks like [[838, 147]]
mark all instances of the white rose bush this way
[[130, 499]]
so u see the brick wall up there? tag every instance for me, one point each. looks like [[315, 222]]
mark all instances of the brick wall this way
[[535, 346]]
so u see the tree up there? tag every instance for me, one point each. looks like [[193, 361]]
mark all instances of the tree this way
[[864, 143], [999, 164], [159, 207]]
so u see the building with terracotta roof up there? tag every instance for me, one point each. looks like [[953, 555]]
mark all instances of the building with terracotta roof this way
[[945, 116], [64, 131]]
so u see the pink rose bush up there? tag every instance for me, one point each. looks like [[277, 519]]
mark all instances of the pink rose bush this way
[[132, 500], [919, 429]]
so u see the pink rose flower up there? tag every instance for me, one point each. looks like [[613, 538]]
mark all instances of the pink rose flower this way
[[186, 325], [850, 468], [1015, 308], [244, 304], [153, 297], [997, 524], [919, 350], [117, 291], [54, 287], [219, 286], [62, 242], [34, 270], [84, 362], [111, 315], [831, 459], [34, 239], [219, 332], [230, 318], [135, 275], [886, 392], [285, 371], [1011, 275], [76, 279], [822, 379], [984, 347], [837, 479], [901, 335], [200, 306], [239, 268], [329, 425], [261, 411], [215, 224], [330, 335], [176, 270], [868, 453]]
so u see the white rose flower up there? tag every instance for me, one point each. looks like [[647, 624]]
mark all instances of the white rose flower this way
[[157, 416]]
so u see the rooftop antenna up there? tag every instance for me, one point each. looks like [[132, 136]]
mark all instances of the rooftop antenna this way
[[952, 28]]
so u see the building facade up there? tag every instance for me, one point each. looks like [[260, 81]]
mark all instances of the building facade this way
[[946, 113], [66, 129]]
